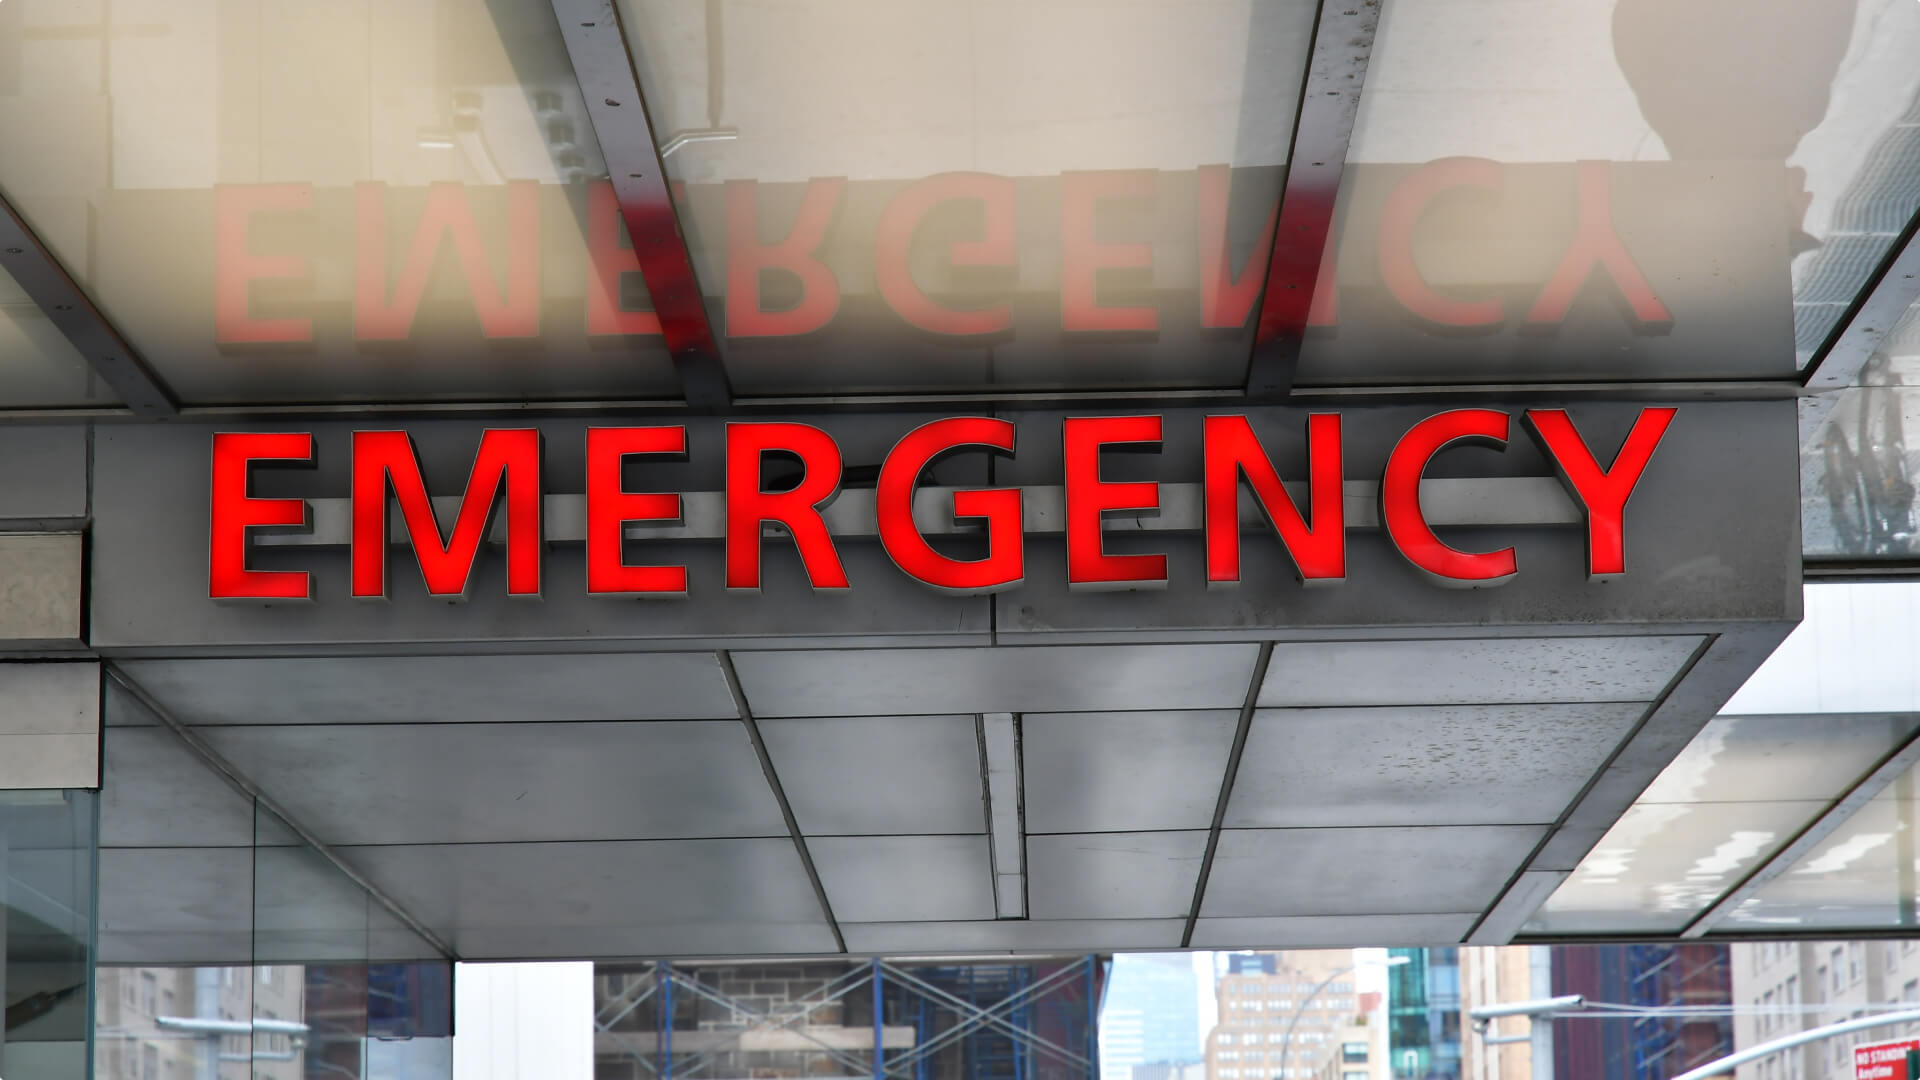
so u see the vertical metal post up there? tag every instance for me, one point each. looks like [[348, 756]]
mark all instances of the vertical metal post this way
[[879, 1036], [1093, 1017], [663, 976], [1540, 1028]]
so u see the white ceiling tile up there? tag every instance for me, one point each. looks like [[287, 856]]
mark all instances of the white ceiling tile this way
[[1144, 875], [1421, 766], [871, 775], [439, 689], [1013, 935], [904, 878], [484, 783], [1124, 771], [1473, 671], [1332, 931], [1384, 871], [889, 682]]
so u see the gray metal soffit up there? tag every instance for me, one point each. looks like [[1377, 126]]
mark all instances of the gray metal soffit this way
[[1329, 104], [67, 306], [597, 47], [248, 788]]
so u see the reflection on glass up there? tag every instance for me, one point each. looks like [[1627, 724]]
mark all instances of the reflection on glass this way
[[1742, 789], [344, 201], [38, 365], [1585, 188], [1859, 470], [189, 1023], [1860, 877], [47, 841], [1058, 194]]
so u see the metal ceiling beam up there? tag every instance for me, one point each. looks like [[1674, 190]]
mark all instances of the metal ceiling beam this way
[[1893, 288], [67, 306], [1329, 104], [1258, 679], [597, 47], [1892, 768]]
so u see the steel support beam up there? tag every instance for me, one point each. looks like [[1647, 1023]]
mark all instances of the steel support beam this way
[[597, 47], [1329, 105], [1258, 679], [1887, 295], [67, 306]]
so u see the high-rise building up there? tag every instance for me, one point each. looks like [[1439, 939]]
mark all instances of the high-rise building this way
[[1423, 1014], [1784, 987], [1280, 1014], [1151, 1015]]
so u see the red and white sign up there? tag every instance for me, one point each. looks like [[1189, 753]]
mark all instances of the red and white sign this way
[[507, 480], [1883, 1061]]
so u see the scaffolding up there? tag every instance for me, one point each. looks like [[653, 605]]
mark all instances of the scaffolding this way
[[1027, 1019]]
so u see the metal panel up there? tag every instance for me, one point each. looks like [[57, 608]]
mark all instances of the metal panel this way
[[1474, 672], [536, 888], [1329, 105], [50, 728], [611, 90], [486, 783], [1144, 875], [1269, 872], [1421, 766], [45, 584], [1719, 462], [1124, 771], [1070, 679], [46, 474], [439, 689], [156, 793], [1877, 309], [68, 307], [1012, 935], [1332, 931], [304, 910], [860, 776], [149, 558], [649, 941], [905, 878], [176, 906]]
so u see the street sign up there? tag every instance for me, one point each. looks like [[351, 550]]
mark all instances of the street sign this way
[[1887, 1060]]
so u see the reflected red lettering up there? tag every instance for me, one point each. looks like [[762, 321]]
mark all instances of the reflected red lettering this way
[[236, 267], [512, 313], [748, 257], [1082, 256]]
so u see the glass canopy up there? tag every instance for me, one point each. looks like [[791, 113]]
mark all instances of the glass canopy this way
[[406, 201]]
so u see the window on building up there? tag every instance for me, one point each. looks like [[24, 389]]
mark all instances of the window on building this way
[[1766, 1011], [1911, 992], [149, 994], [1226, 1038], [1856, 961], [1819, 982], [1890, 957], [1350, 1075], [1792, 993], [149, 1063], [1837, 969], [1353, 1051], [263, 976]]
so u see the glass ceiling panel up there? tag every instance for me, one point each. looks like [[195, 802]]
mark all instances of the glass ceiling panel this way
[[39, 367], [990, 193], [1860, 878], [348, 201], [1860, 469], [1592, 189], [1835, 700], [1743, 788]]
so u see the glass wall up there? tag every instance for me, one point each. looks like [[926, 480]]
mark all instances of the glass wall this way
[[232, 949], [47, 848]]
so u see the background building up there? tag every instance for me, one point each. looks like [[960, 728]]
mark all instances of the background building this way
[[1788, 986], [1424, 1014], [1280, 1014], [1151, 1015]]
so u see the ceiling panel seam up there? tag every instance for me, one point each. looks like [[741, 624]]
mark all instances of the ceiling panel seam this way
[[779, 794], [240, 782], [1255, 681], [1519, 873]]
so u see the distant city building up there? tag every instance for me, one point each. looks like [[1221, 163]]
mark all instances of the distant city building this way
[[1504, 975], [133, 1043], [1281, 1014], [1789, 986], [1151, 1015], [1423, 1015], [1650, 976], [1360, 1050]]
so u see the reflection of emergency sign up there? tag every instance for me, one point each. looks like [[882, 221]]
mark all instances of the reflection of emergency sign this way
[[1884, 1061], [1310, 521], [507, 300]]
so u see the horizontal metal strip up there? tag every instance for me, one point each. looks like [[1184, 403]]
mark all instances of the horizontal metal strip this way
[[1489, 500]]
